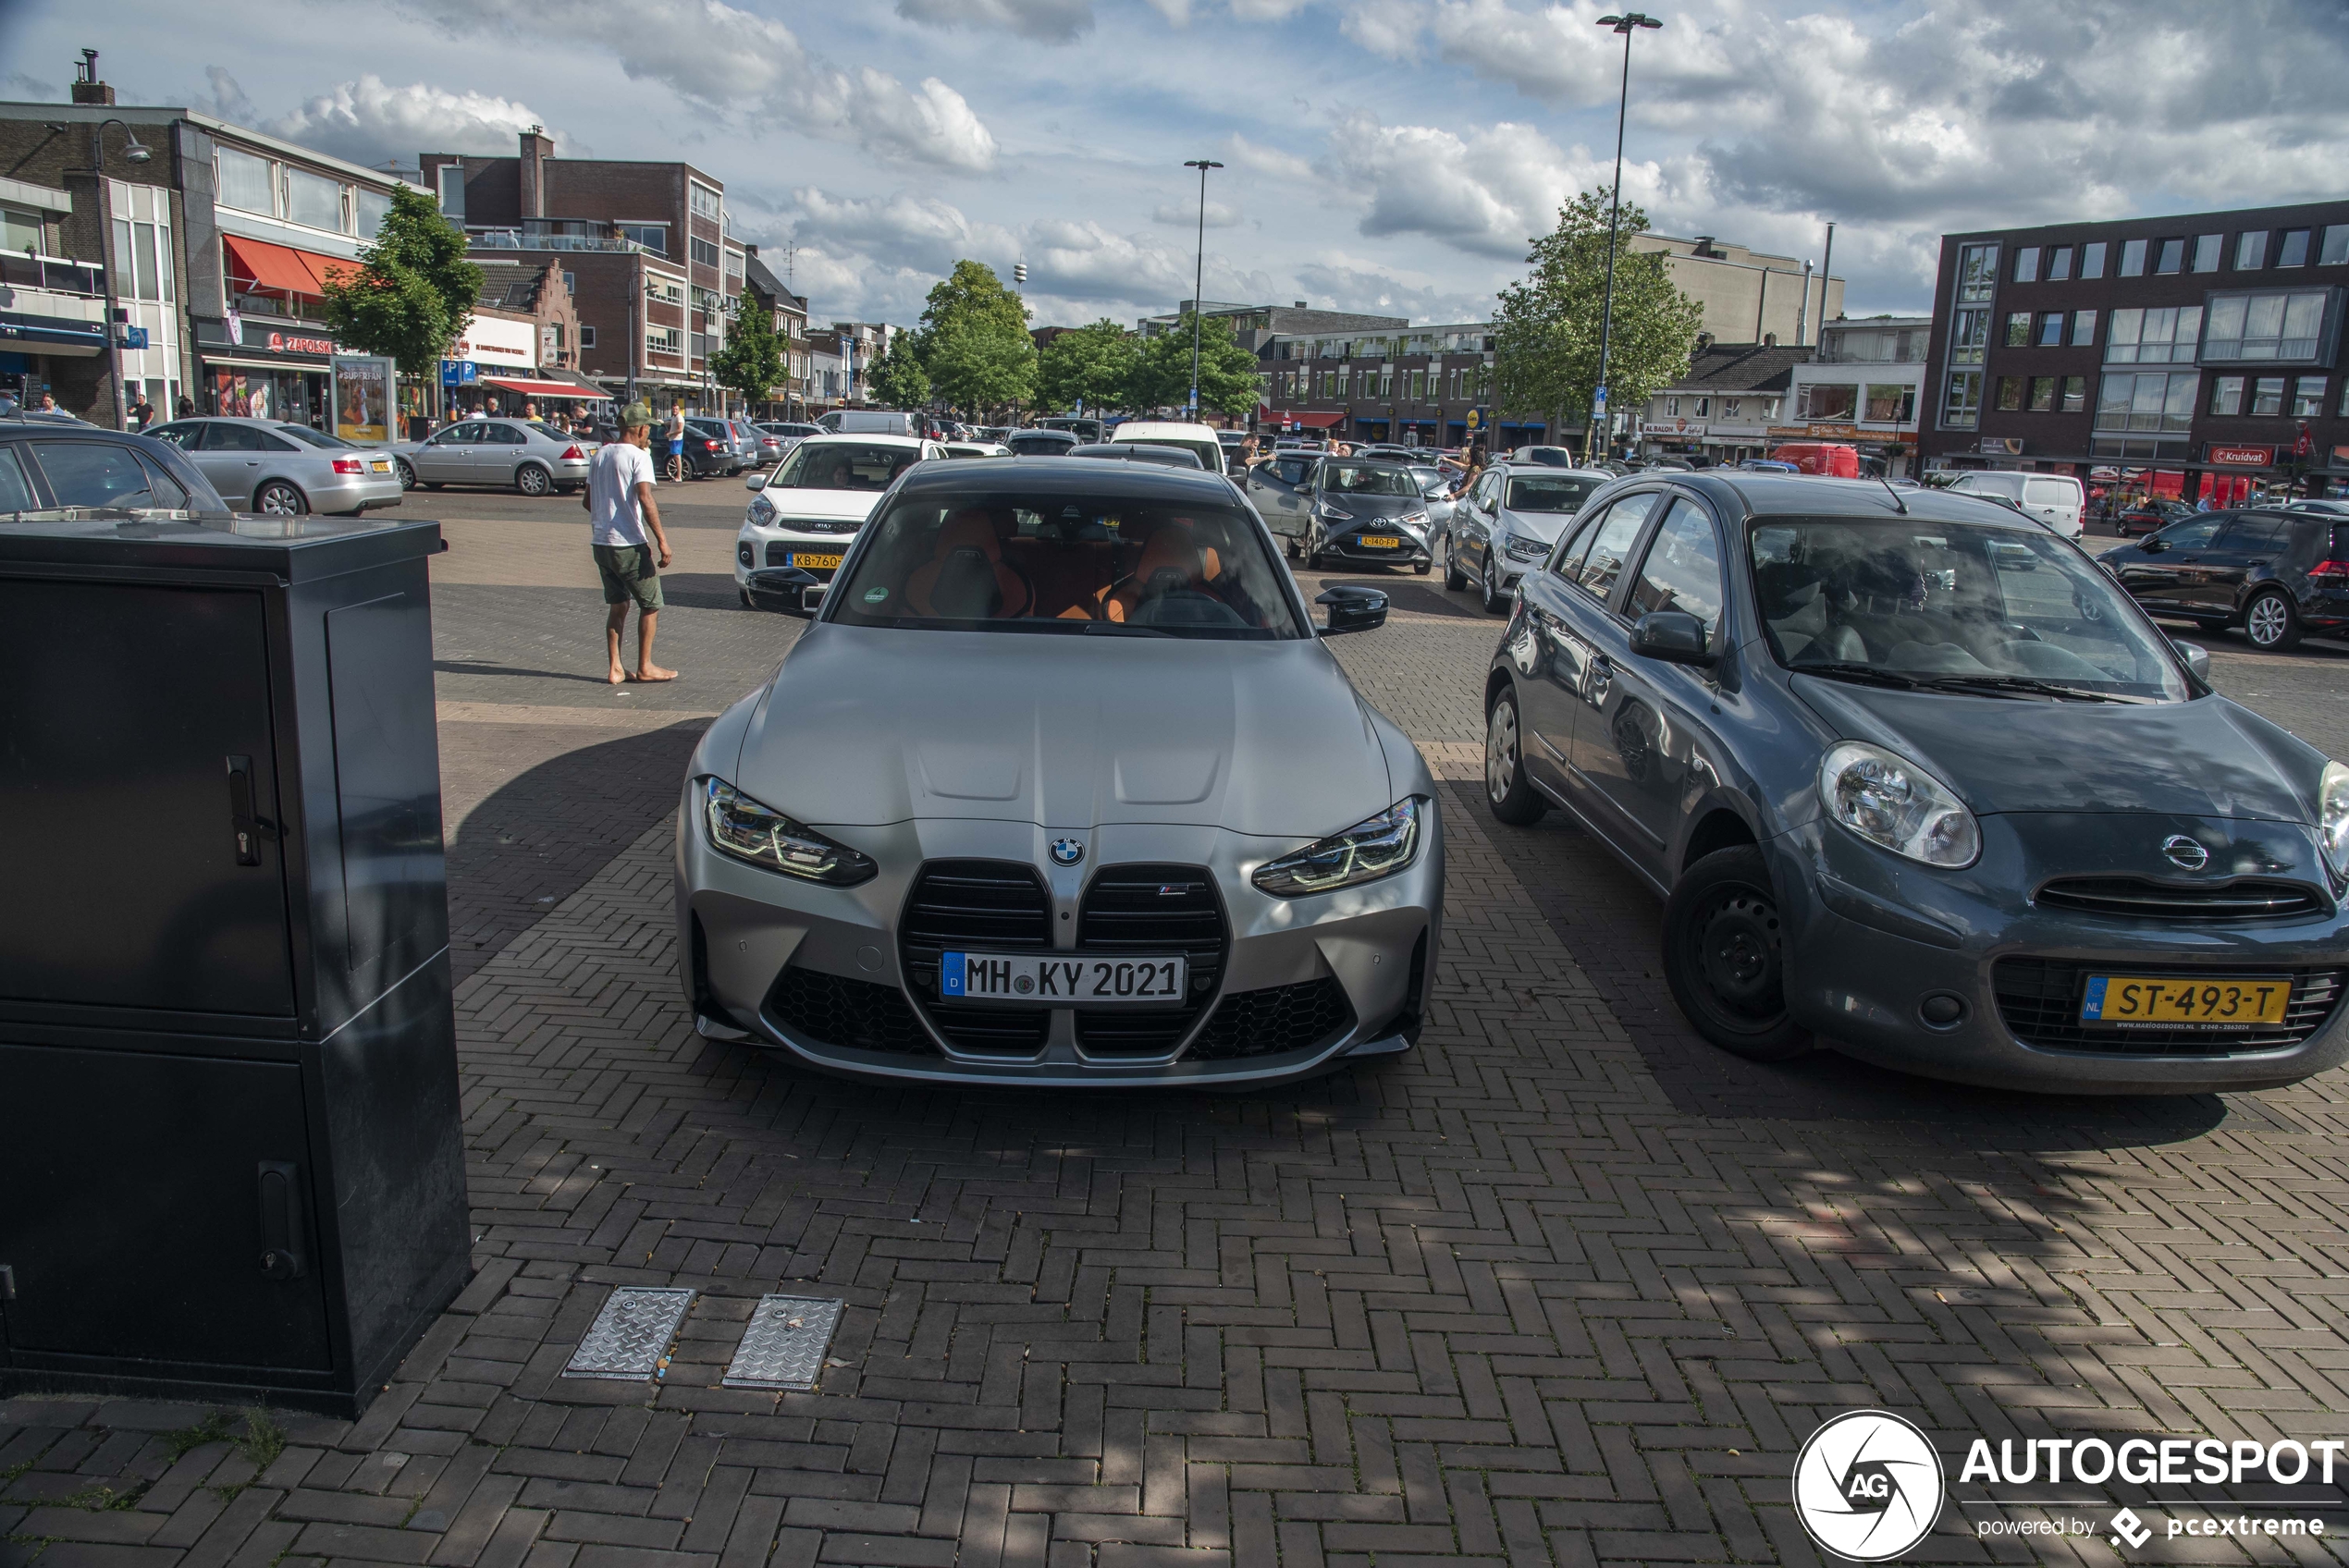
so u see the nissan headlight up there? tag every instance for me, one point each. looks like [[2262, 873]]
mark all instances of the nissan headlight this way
[[1374, 847], [747, 831], [1892, 802], [2333, 816]]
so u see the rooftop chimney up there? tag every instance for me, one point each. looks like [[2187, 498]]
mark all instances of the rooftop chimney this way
[[535, 150], [1704, 246], [1769, 340], [87, 88]]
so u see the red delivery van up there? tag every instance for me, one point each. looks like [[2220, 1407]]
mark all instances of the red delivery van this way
[[1820, 457]]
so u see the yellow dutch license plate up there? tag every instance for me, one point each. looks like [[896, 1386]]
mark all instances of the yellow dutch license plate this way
[[2122, 999], [806, 562], [1381, 542], [380, 466]]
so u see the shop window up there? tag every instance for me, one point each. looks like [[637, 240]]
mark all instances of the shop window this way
[[1961, 404], [2293, 252], [2132, 258], [2267, 395], [2276, 326], [2043, 394], [2308, 396], [2205, 252], [2092, 258], [1891, 403], [2018, 329], [2060, 264], [2052, 330], [2026, 264], [2075, 394], [2170, 257], [2084, 330], [243, 182], [2153, 336], [2336, 247], [2011, 394], [2251, 251], [2226, 395]]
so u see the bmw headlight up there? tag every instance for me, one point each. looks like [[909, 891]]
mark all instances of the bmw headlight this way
[[762, 512], [1890, 802], [2333, 816], [1374, 847], [743, 828]]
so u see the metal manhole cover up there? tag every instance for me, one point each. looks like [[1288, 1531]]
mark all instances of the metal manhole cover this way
[[632, 1334], [784, 1347]]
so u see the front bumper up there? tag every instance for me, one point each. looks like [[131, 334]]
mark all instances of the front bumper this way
[[1870, 938], [741, 929], [1348, 547], [756, 547]]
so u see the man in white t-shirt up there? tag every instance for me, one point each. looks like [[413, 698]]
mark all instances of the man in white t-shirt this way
[[621, 510]]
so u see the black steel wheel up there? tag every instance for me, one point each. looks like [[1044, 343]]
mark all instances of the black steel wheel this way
[[1725, 957], [1506, 789]]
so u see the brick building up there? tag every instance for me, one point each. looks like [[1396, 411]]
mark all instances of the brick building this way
[[788, 314], [1420, 386], [2197, 348], [647, 252]]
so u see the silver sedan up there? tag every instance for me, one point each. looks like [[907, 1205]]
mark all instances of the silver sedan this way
[[267, 465], [534, 458], [1059, 789]]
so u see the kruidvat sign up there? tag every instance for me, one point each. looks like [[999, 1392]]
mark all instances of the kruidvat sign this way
[[2242, 457]]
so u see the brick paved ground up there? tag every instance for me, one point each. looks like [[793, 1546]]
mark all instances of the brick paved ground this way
[[1563, 1287]]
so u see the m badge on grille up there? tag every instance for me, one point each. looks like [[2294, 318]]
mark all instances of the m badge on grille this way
[[1067, 851]]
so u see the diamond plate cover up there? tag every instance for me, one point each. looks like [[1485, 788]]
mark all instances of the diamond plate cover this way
[[632, 1334], [783, 1347]]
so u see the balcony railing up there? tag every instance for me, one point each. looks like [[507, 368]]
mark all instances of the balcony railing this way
[[515, 239], [53, 273]]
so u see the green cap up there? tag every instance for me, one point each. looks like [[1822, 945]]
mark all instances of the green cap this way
[[634, 415]]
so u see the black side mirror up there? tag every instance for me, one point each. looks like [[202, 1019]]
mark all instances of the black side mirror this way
[[783, 589], [1353, 608], [1673, 636], [2153, 544]]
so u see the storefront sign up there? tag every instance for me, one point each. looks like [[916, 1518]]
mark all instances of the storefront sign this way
[[285, 343], [363, 399], [1832, 432], [512, 344], [1664, 428], [2001, 447], [2242, 457]]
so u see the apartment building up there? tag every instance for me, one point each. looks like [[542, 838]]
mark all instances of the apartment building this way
[[1426, 386], [787, 313], [1723, 409], [1747, 296], [1864, 386]]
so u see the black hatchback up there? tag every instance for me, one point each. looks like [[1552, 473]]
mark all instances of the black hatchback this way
[[2279, 575], [1914, 776]]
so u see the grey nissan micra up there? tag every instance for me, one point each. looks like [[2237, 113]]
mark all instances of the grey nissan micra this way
[[1914, 776]]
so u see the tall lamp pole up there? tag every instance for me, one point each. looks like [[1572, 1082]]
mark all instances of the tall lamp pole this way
[[1198, 274], [137, 154], [1625, 24]]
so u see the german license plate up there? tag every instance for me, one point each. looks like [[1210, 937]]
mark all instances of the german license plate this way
[[1381, 542], [1065, 981], [2117, 1000], [806, 562]]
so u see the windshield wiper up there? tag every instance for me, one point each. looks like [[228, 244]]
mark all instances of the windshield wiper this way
[[2022, 683], [1120, 629], [1861, 672]]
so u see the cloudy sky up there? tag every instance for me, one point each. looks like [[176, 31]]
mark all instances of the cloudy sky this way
[[1380, 154]]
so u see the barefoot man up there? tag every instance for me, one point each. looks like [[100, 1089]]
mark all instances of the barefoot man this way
[[620, 506]]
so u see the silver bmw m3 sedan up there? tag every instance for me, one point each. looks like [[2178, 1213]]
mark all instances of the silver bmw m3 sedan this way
[[1060, 786]]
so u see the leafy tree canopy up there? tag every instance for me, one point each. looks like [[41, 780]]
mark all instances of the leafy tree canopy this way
[[1226, 372], [413, 292], [974, 342], [752, 362], [897, 379], [1093, 364]]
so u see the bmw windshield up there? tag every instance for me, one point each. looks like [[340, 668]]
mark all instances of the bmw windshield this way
[[1057, 563], [1957, 606]]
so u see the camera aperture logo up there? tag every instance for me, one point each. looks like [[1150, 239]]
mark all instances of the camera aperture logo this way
[[1868, 1486]]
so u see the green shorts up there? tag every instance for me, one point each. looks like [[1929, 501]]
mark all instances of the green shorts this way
[[629, 574]]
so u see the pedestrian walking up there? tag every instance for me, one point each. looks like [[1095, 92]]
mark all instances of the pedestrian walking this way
[[142, 413], [676, 443], [185, 408], [626, 536]]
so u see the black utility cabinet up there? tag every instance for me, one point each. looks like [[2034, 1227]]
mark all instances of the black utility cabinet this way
[[230, 1160]]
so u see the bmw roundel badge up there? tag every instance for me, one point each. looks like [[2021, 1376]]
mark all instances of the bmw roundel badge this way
[[1067, 851]]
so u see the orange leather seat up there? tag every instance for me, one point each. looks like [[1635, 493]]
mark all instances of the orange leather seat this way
[[966, 577], [1171, 562]]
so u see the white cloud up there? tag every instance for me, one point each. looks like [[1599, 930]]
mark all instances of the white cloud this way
[[1241, 152], [1047, 21], [1184, 214], [369, 121], [1349, 283], [1487, 193]]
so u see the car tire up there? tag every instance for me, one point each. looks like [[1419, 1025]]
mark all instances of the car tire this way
[[745, 594], [1424, 568], [532, 480], [1454, 579], [2269, 622], [406, 475], [1494, 604], [429, 484], [1724, 957], [279, 499], [1508, 791]]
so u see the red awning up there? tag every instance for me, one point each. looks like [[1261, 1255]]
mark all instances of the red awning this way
[[1310, 421], [529, 389], [282, 266]]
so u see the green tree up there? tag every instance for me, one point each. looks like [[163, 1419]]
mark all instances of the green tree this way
[[973, 341], [1226, 372], [412, 293], [752, 362], [897, 379], [1092, 364], [1546, 328]]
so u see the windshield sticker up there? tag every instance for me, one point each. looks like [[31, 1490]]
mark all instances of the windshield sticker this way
[[875, 595]]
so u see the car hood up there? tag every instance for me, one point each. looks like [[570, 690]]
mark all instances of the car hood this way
[[828, 504], [865, 725], [1376, 506], [1545, 526], [2209, 758]]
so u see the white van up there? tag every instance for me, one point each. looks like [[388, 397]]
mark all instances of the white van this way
[[872, 422], [2055, 499], [1198, 440]]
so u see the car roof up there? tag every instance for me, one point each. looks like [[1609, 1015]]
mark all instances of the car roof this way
[[1015, 475], [1165, 427], [861, 438], [1509, 465], [1136, 451], [1740, 494]]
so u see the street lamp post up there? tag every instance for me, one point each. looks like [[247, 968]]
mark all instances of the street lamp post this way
[[1624, 24], [137, 154], [1198, 273]]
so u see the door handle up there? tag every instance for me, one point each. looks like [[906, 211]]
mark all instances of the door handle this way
[[280, 1192], [247, 828]]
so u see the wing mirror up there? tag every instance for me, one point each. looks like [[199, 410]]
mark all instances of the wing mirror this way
[[2197, 659], [753, 481], [2152, 544], [1673, 636], [1353, 608], [786, 590]]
